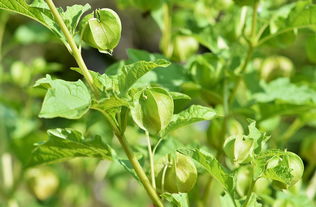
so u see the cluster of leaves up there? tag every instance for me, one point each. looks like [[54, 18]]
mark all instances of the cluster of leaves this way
[[214, 65]]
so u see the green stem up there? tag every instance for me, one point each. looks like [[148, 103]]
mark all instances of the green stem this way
[[296, 125], [139, 171], [3, 20], [74, 49], [166, 31], [251, 45], [151, 160], [250, 190]]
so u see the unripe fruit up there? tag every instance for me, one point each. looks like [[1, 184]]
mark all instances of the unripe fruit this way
[[176, 175], [206, 70], [238, 148], [153, 109], [103, 31], [42, 182], [184, 47], [277, 164]]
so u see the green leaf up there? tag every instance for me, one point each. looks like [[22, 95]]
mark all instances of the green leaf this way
[[131, 73], [72, 16], [177, 199], [42, 15], [213, 167], [109, 103], [21, 7], [191, 115], [65, 99], [284, 91], [300, 14], [65, 144], [179, 96]]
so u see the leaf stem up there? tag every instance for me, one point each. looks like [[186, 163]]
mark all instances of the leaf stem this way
[[140, 172], [151, 160], [74, 49]]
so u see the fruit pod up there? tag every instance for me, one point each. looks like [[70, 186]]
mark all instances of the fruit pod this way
[[184, 47], [102, 30], [153, 109], [238, 148], [42, 182], [175, 174], [289, 165], [206, 70]]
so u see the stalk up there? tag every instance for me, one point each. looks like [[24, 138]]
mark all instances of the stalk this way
[[151, 160], [77, 55], [139, 171], [74, 49]]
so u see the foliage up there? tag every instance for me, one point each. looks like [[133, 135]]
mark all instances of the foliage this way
[[220, 116]]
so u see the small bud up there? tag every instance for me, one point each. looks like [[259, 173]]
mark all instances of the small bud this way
[[153, 109], [103, 31], [176, 175]]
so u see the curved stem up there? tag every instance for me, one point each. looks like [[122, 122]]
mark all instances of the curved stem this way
[[74, 49], [151, 160]]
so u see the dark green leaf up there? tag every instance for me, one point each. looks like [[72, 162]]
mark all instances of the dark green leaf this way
[[65, 144]]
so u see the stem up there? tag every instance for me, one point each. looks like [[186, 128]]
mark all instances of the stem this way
[[139, 171], [251, 44], [74, 49], [250, 190], [166, 31], [151, 160], [3, 20], [296, 125]]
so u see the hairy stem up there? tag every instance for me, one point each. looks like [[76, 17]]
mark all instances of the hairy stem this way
[[139, 171], [151, 160], [74, 49]]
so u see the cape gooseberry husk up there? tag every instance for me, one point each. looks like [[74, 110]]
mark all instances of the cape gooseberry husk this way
[[102, 30], [184, 47], [238, 148], [291, 161], [175, 174], [42, 182], [153, 109]]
